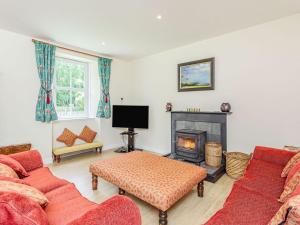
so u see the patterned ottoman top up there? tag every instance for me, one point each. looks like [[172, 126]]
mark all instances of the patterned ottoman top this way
[[155, 179]]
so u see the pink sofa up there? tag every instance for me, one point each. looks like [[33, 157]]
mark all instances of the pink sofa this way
[[67, 205], [253, 198]]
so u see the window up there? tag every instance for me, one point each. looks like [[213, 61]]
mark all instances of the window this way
[[71, 88]]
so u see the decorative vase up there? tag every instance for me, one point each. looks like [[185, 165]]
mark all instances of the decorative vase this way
[[168, 107], [225, 107]]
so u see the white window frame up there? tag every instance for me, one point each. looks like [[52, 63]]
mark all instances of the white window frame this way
[[86, 89]]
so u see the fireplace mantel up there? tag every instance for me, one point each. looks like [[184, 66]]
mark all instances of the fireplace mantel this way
[[208, 112]]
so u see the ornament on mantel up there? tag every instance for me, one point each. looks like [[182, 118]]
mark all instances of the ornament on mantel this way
[[225, 107], [169, 107], [193, 110]]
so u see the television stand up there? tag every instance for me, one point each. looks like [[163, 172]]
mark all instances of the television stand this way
[[130, 146]]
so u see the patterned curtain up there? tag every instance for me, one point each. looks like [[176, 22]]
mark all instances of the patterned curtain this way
[[45, 60], [104, 108]]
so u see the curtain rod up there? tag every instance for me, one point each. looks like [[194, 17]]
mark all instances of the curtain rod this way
[[70, 49]]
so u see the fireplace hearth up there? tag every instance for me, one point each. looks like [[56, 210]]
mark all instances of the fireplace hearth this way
[[190, 145]]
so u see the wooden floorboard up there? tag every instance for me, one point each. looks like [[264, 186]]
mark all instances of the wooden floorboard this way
[[190, 210]]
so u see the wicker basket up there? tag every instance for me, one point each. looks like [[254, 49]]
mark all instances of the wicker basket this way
[[236, 163], [213, 154]]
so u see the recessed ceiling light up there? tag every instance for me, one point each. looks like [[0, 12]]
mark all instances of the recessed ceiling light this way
[[103, 43], [159, 17]]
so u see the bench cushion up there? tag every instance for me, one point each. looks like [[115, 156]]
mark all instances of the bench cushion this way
[[155, 179], [75, 148]]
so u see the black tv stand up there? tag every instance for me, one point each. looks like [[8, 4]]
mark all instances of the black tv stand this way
[[130, 146]]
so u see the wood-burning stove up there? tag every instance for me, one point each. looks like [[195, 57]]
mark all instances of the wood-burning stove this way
[[190, 145]]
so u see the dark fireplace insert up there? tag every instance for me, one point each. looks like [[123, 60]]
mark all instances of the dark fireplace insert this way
[[190, 145]]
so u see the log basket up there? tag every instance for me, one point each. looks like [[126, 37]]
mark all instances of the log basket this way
[[213, 154], [236, 163]]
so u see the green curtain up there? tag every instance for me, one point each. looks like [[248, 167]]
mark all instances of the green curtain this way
[[45, 60], [104, 108]]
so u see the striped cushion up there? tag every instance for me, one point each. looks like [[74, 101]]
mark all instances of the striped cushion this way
[[290, 164], [6, 171]]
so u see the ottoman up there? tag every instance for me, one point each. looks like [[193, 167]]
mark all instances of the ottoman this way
[[156, 180]]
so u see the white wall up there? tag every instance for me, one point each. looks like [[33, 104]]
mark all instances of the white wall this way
[[19, 85], [257, 71]]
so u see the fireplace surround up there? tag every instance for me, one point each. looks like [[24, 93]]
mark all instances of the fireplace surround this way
[[215, 126]]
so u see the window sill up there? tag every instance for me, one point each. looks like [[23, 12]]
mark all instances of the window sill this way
[[75, 118]]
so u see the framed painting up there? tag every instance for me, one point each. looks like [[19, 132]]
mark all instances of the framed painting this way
[[196, 75]]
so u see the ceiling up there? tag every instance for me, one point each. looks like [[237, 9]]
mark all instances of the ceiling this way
[[130, 28]]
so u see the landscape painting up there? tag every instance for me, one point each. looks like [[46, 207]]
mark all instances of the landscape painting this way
[[196, 75]]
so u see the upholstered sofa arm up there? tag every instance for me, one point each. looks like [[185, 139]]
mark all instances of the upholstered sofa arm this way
[[30, 160], [272, 155], [118, 210]]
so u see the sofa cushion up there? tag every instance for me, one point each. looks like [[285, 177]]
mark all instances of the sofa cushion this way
[[293, 217], [118, 210], [245, 207], [30, 160], [14, 164], [268, 186], [6, 171], [63, 193], [290, 210], [296, 191], [292, 172], [30, 192], [44, 180], [272, 155], [66, 204], [18, 209], [263, 169], [290, 187], [290, 164], [16, 180]]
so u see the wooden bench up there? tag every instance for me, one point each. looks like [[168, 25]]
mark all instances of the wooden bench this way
[[58, 152]]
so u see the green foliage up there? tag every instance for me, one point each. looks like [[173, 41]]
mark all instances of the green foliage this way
[[63, 98], [77, 76], [62, 74], [78, 100], [70, 84]]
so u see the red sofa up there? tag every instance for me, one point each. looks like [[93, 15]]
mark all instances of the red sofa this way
[[253, 198], [67, 205]]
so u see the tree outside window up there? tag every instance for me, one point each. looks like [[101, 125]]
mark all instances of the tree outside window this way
[[71, 88]]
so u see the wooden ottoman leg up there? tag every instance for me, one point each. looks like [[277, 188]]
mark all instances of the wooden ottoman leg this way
[[94, 182], [163, 217], [200, 189], [121, 191], [58, 158], [100, 149]]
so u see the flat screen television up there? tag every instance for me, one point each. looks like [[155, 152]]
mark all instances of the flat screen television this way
[[130, 116]]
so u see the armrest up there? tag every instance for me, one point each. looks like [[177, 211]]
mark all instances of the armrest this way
[[272, 155], [30, 160], [118, 210]]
